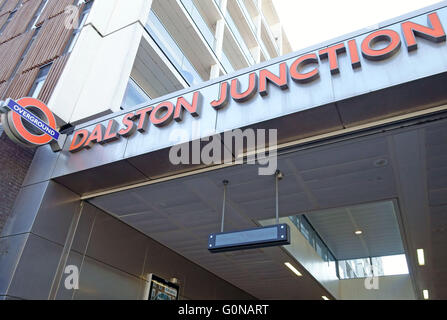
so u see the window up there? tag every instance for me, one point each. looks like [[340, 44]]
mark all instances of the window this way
[[201, 24], [40, 81], [134, 95], [74, 37], [377, 266], [226, 63], [235, 30], [173, 52], [306, 229]]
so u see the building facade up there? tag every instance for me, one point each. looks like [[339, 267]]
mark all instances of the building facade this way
[[33, 61], [356, 126], [38, 37]]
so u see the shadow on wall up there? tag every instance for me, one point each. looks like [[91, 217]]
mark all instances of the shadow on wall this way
[[115, 261], [14, 163]]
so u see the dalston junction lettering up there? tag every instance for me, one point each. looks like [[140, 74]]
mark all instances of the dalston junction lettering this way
[[165, 112]]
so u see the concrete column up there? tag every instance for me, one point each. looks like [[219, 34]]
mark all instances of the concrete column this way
[[277, 33], [218, 44], [256, 53], [258, 23], [223, 6], [257, 50], [215, 71]]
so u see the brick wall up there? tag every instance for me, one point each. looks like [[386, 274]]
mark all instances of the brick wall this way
[[18, 72], [14, 163]]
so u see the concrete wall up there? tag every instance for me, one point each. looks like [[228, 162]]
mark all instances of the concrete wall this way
[[305, 254], [94, 80]]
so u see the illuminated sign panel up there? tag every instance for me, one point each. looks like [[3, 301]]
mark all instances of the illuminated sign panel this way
[[276, 235], [371, 49]]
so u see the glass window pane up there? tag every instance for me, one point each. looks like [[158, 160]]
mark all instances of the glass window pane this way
[[238, 36], [134, 95], [226, 63], [381, 266], [319, 248], [391, 265], [40, 81], [314, 240], [82, 19], [172, 51], [247, 15], [247, 236], [199, 21], [44, 71], [37, 87], [305, 230]]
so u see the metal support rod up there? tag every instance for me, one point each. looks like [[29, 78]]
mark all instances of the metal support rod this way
[[278, 176], [277, 201], [225, 183]]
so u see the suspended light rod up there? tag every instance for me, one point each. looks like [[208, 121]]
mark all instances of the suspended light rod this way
[[225, 183], [278, 176]]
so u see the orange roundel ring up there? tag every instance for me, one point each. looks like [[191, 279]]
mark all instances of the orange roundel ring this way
[[28, 136]]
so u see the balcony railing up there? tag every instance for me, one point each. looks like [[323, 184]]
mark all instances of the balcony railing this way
[[172, 51], [226, 63], [234, 29], [134, 95], [247, 16], [201, 24], [303, 225]]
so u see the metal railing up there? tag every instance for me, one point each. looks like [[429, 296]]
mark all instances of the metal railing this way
[[171, 49]]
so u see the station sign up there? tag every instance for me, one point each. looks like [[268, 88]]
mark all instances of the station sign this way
[[30, 122], [376, 46]]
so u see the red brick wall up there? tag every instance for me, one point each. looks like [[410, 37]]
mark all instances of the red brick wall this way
[[14, 163], [48, 47]]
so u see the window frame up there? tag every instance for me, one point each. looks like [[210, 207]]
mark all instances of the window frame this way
[[39, 82]]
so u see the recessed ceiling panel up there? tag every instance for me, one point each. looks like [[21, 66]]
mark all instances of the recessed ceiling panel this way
[[377, 221]]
